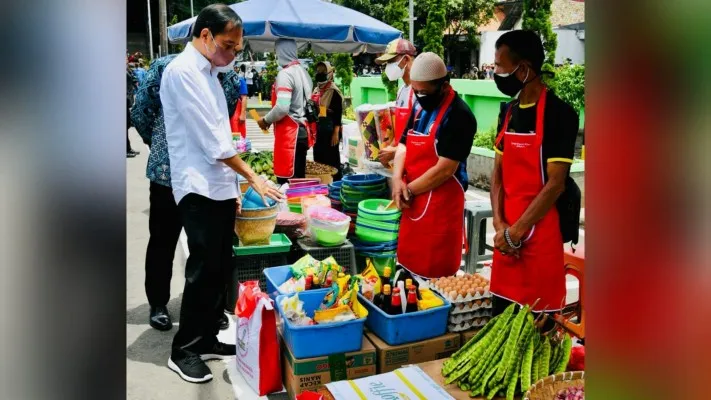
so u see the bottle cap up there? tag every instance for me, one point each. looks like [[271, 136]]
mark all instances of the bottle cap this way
[[387, 271], [386, 289]]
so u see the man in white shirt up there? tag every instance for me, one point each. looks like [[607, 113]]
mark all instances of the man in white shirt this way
[[203, 164]]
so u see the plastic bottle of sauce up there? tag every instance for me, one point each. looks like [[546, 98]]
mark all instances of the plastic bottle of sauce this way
[[395, 303], [309, 282], [385, 280], [411, 299], [385, 298]]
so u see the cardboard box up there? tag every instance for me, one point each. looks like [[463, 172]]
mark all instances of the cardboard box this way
[[468, 335], [312, 373], [391, 358]]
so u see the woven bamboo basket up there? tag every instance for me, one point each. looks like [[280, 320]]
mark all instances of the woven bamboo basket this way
[[548, 387]]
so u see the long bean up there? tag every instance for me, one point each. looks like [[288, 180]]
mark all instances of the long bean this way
[[510, 346]]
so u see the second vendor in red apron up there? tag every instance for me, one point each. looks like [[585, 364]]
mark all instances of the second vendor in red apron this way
[[429, 175], [398, 58]]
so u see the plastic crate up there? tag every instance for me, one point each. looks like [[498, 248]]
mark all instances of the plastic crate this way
[[275, 276], [344, 254], [279, 243], [407, 328], [320, 340], [250, 268]]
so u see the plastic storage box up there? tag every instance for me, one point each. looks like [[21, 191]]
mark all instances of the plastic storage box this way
[[275, 276], [407, 328], [320, 340]]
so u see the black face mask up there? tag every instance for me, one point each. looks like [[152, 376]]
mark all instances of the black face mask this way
[[509, 84], [429, 102], [321, 77]]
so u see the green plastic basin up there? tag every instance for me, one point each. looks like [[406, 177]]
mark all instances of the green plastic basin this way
[[369, 209]]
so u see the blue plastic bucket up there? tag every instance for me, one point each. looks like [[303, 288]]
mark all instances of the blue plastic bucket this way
[[409, 327], [363, 179], [276, 276], [320, 340]]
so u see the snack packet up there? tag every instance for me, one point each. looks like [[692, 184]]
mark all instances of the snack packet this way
[[343, 281], [350, 299], [329, 267], [304, 266], [331, 298], [293, 285], [335, 314], [429, 300], [370, 283], [293, 310]]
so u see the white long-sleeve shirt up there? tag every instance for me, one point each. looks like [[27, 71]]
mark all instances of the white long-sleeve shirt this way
[[197, 128]]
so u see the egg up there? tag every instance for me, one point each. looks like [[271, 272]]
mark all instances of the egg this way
[[487, 301], [480, 290], [486, 287], [462, 292], [477, 302], [453, 294], [471, 292], [460, 306]]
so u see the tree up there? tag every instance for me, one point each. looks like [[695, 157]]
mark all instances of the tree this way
[[464, 17], [433, 33], [569, 84], [272, 71], [343, 64], [395, 14], [537, 17]]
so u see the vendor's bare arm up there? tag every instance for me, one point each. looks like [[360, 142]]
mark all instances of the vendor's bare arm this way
[[241, 167], [557, 172], [399, 164], [497, 193], [434, 177]]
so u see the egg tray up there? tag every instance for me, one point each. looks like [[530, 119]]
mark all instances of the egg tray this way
[[459, 318], [467, 325], [466, 307], [460, 299]]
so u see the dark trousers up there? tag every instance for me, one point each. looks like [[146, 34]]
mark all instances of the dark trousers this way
[[324, 152], [164, 226], [302, 147], [209, 225]]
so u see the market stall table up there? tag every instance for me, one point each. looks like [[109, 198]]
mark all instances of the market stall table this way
[[434, 370]]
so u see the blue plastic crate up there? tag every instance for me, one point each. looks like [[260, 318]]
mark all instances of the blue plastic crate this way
[[275, 276], [407, 328], [320, 340]]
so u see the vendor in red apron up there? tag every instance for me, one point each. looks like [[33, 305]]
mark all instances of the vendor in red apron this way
[[238, 121], [534, 151], [398, 58], [292, 136], [430, 173]]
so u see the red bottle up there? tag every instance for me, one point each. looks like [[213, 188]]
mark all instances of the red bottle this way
[[411, 299], [309, 282], [395, 303]]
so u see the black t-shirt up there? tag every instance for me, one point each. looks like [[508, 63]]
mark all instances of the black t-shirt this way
[[560, 127], [456, 133]]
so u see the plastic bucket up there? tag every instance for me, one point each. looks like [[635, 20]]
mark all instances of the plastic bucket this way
[[320, 340], [370, 209], [252, 199], [376, 231], [406, 328], [363, 179]]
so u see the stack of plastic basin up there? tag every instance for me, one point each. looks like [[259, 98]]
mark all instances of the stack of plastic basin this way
[[359, 187], [377, 231], [303, 188], [334, 193]]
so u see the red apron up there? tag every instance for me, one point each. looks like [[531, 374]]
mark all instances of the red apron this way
[[431, 230], [286, 132], [402, 114], [539, 272], [236, 124]]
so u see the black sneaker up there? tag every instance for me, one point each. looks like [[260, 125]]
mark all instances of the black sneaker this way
[[224, 322], [190, 367], [215, 351]]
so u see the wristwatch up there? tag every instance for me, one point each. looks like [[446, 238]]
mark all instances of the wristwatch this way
[[409, 193]]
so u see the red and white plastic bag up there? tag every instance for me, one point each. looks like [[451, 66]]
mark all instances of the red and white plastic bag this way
[[258, 358]]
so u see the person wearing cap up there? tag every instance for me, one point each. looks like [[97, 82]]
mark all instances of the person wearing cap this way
[[430, 172], [328, 133], [398, 58], [534, 151]]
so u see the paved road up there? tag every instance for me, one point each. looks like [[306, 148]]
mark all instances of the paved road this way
[[148, 350]]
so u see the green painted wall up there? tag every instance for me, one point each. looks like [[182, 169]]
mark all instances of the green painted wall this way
[[482, 96]]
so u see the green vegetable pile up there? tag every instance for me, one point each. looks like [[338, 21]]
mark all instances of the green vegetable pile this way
[[507, 356], [262, 162]]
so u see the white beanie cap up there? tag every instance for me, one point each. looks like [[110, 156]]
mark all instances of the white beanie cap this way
[[427, 67]]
